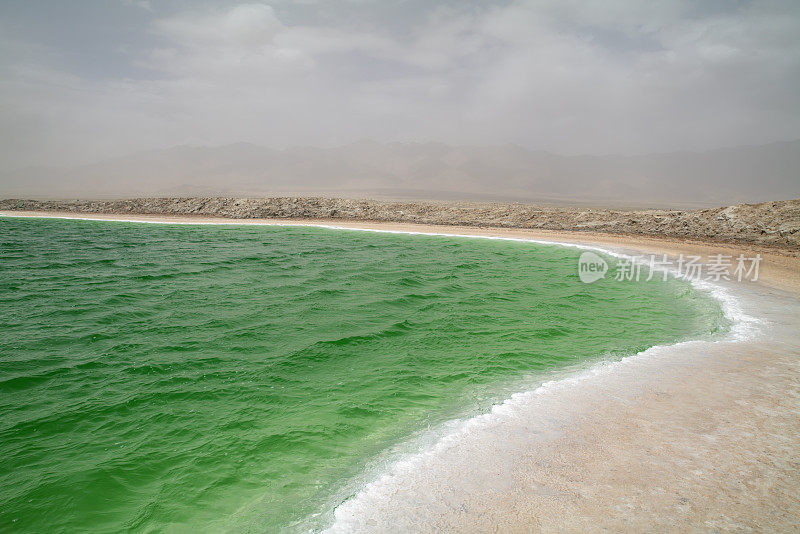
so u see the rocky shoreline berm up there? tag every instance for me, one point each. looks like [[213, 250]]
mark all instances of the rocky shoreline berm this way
[[772, 225]]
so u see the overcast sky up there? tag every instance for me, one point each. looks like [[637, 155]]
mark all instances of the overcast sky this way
[[84, 80]]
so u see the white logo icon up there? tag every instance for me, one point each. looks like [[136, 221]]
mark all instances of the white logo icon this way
[[591, 267]]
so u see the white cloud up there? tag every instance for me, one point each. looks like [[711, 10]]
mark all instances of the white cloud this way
[[245, 25]]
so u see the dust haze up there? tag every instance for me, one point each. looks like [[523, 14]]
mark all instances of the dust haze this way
[[613, 102]]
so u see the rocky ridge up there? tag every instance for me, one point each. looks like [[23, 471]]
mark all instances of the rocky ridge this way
[[769, 224]]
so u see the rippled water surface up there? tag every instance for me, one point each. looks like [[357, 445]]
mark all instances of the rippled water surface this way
[[188, 377]]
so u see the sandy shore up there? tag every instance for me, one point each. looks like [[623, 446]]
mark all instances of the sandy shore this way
[[696, 436]]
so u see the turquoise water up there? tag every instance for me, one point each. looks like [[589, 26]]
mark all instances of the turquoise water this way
[[187, 377]]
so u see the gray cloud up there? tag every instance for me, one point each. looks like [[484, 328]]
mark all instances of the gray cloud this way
[[567, 76]]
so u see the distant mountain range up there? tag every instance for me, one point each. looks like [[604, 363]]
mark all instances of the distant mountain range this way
[[429, 171]]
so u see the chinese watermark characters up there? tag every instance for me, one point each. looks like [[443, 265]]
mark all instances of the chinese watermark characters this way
[[717, 267]]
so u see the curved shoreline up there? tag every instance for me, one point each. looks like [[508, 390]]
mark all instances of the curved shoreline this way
[[357, 513], [509, 469]]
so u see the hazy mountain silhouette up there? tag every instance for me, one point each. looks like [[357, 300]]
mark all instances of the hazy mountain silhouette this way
[[429, 171]]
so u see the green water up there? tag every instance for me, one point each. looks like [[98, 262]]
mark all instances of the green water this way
[[209, 378]]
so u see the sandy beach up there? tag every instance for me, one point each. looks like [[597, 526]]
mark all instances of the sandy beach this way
[[696, 436]]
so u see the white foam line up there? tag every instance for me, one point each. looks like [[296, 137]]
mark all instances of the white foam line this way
[[743, 327]]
